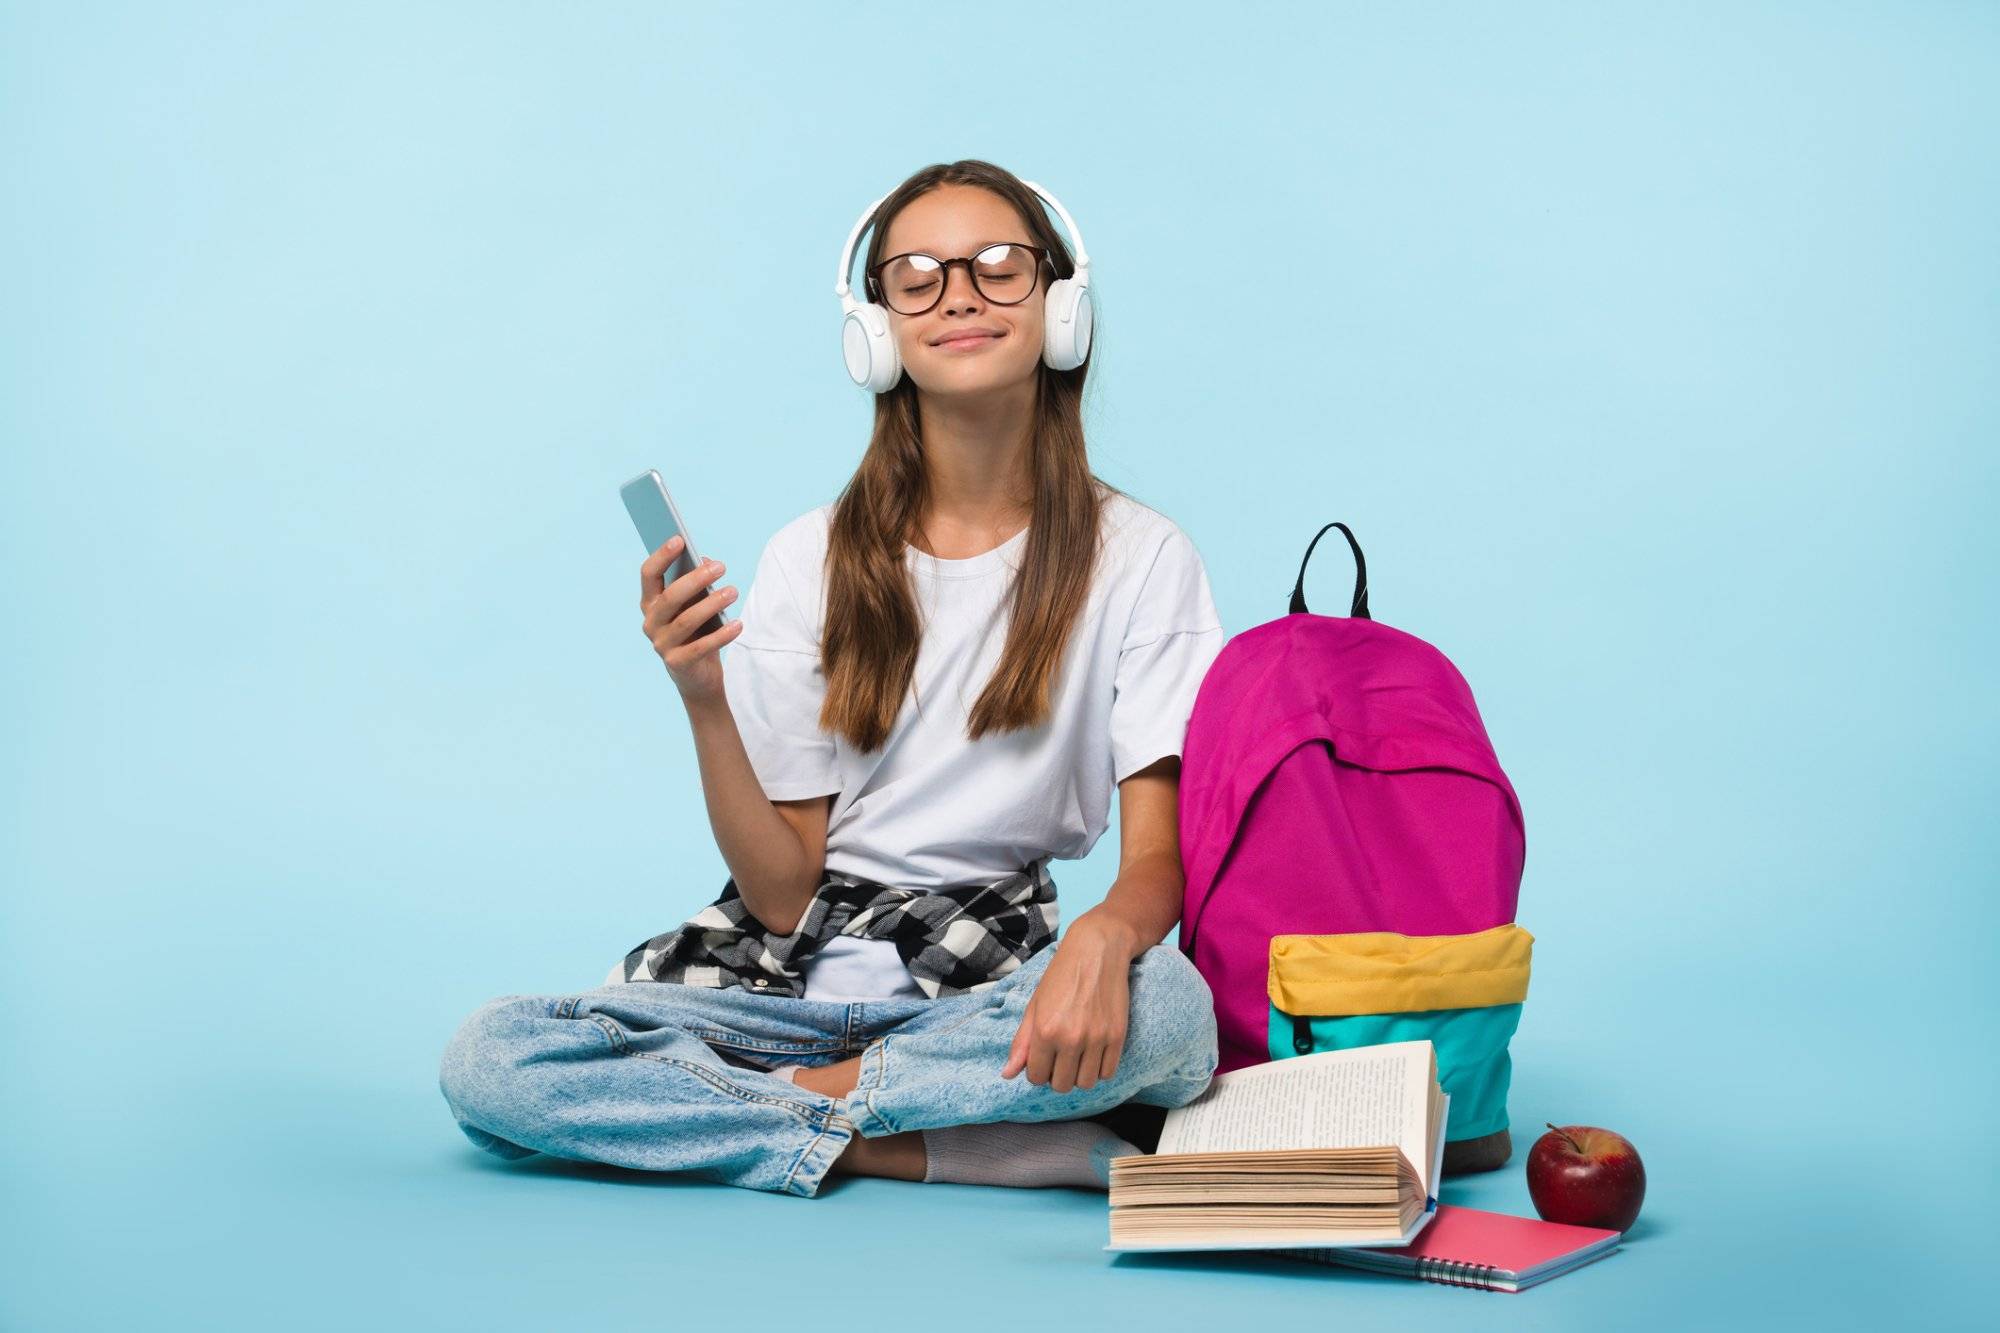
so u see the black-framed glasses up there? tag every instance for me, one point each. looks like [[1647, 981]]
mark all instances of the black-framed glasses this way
[[1005, 273]]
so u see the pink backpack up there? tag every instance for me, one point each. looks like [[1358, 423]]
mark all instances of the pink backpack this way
[[1335, 778]]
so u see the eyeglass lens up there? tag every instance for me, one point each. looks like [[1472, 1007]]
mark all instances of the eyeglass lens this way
[[1004, 275]]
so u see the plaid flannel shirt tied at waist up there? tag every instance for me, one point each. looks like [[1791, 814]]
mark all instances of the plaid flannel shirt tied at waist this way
[[953, 939]]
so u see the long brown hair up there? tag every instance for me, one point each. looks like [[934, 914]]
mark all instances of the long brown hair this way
[[870, 638]]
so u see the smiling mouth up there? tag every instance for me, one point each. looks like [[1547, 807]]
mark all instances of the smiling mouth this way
[[970, 340]]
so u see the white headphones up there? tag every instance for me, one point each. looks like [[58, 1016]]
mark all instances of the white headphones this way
[[872, 360]]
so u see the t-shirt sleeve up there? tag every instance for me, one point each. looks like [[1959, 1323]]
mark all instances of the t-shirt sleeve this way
[[1173, 638], [772, 679]]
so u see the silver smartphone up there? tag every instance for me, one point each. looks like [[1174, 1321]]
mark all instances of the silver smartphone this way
[[654, 514]]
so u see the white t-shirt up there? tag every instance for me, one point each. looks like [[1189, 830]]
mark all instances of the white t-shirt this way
[[931, 807]]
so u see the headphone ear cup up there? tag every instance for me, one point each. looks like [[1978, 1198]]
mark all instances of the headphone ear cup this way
[[1066, 316], [870, 349]]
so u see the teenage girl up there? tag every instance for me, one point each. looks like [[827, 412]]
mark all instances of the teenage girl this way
[[936, 684]]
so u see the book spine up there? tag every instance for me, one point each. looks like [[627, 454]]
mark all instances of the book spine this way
[[1457, 1273]]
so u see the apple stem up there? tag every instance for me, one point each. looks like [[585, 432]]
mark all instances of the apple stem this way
[[1566, 1137]]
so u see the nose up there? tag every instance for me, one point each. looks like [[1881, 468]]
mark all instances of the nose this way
[[964, 296]]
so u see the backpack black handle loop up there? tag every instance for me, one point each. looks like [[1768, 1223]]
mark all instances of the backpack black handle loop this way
[[1359, 609]]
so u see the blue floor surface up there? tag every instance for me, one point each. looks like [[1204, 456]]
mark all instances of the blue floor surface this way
[[312, 1187]]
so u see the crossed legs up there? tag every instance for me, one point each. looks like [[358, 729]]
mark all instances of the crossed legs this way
[[893, 1156], [631, 1075]]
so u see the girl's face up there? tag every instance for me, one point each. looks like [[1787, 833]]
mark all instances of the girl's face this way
[[939, 352]]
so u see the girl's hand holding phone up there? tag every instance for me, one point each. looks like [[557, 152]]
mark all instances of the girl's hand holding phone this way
[[675, 614]]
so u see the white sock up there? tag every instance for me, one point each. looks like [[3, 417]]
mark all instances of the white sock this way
[[788, 1072], [1047, 1152]]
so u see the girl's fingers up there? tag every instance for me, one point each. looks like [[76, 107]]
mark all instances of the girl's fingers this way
[[1017, 1053], [1088, 1066], [683, 589], [694, 617], [653, 569], [709, 642], [694, 650], [701, 645], [1062, 1074], [1096, 1063], [682, 594], [1112, 1049], [1041, 1060], [1088, 1062], [695, 580]]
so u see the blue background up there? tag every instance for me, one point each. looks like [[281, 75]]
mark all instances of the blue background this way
[[1650, 350]]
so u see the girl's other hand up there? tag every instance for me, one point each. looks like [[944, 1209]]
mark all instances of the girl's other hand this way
[[673, 614], [1073, 1030]]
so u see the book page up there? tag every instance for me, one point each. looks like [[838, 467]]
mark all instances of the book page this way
[[1360, 1098]]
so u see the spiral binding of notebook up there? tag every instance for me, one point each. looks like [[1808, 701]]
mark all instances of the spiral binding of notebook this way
[[1457, 1273]]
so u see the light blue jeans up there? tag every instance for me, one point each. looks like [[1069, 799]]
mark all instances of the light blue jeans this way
[[661, 1076]]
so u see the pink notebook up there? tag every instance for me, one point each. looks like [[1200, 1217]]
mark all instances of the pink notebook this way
[[1468, 1247]]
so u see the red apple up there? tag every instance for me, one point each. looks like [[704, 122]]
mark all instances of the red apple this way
[[1586, 1176]]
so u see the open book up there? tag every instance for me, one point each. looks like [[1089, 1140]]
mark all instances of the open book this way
[[1338, 1148]]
